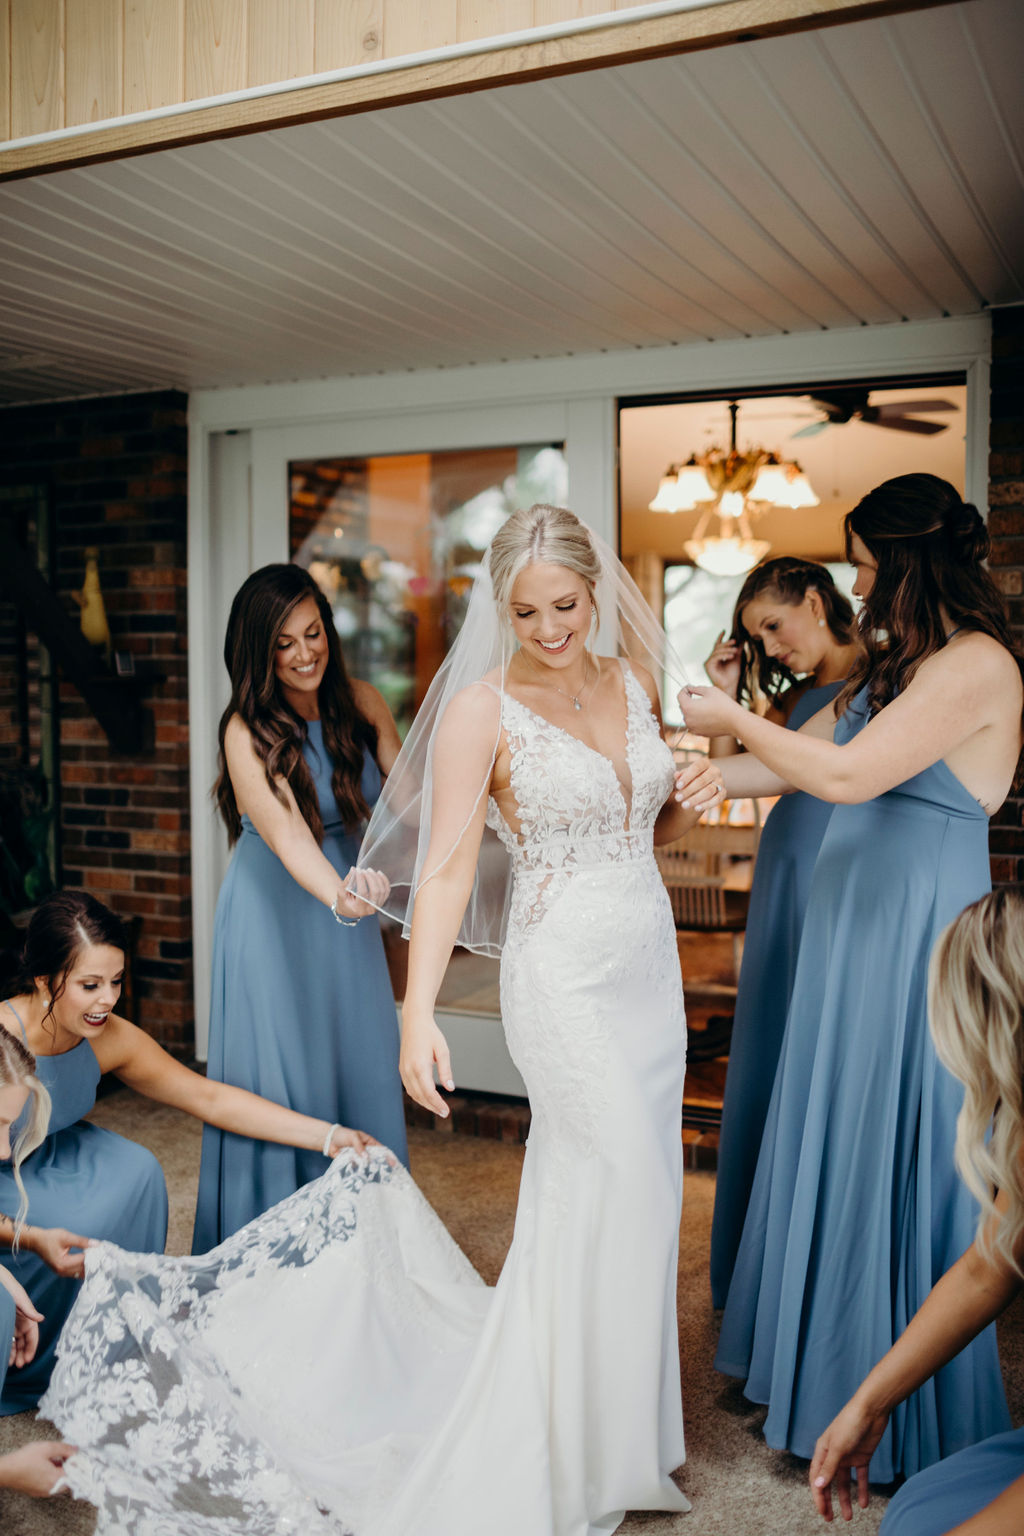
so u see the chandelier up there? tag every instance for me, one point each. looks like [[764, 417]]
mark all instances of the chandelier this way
[[734, 487]]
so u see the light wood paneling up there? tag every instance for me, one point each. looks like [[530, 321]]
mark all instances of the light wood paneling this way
[[37, 66], [5, 68], [280, 40], [492, 18], [348, 32], [154, 53], [231, 44], [545, 12], [215, 47], [413, 26], [93, 60]]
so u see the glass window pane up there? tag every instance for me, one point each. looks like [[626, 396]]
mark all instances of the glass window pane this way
[[698, 606], [395, 542]]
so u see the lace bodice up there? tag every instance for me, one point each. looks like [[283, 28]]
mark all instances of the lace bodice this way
[[573, 809]]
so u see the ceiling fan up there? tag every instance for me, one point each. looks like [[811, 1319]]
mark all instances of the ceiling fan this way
[[842, 405]]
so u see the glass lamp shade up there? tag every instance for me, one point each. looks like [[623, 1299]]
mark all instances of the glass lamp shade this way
[[682, 488], [728, 556], [665, 500], [784, 485]]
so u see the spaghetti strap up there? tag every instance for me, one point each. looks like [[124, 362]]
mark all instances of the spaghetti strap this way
[[21, 1026]]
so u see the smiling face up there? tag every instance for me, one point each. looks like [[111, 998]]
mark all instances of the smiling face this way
[[866, 566], [13, 1099], [300, 652], [91, 990], [789, 632], [550, 609]]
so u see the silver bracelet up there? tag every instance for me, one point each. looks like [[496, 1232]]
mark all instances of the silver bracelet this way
[[346, 922], [329, 1138]]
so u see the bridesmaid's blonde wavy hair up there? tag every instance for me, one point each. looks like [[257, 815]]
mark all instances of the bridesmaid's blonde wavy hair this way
[[976, 1005], [18, 1070], [542, 535]]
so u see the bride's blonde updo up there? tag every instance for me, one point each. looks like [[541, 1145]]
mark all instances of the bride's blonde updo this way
[[542, 535]]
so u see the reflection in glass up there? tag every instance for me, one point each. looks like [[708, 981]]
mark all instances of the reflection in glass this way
[[395, 542]]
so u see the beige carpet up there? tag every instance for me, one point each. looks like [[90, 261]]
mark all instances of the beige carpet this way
[[737, 1486]]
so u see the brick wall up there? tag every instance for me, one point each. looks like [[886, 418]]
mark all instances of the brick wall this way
[[1006, 525], [115, 470]]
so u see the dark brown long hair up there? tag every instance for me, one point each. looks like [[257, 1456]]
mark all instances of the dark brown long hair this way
[[789, 580], [258, 613], [929, 544], [62, 925]]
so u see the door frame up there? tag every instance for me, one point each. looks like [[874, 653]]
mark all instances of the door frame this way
[[242, 440]]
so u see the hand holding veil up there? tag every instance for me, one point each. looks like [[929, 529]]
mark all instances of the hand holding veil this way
[[431, 800]]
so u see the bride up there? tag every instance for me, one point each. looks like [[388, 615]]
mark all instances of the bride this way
[[338, 1366]]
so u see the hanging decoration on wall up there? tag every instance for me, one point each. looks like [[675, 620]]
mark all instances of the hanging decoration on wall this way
[[735, 488]]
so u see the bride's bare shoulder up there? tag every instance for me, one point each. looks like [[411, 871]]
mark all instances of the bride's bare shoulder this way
[[474, 709], [644, 678]]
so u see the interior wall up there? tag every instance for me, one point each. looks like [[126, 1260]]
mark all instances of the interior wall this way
[[843, 462]]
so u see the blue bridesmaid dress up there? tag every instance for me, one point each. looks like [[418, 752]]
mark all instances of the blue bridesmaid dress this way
[[301, 1011], [89, 1180], [856, 1209], [945, 1496], [775, 920], [6, 1333]]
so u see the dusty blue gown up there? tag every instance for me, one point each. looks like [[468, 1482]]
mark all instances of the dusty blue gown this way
[[6, 1333], [92, 1182], [939, 1499], [778, 899], [856, 1208], [301, 1011]]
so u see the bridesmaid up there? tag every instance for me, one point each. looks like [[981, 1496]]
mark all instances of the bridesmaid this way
[[59, 1010], [976, 1002], [855, 1210], [302, 1009], [792, 644]]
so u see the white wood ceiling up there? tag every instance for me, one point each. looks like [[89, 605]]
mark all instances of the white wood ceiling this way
[[855, 175]]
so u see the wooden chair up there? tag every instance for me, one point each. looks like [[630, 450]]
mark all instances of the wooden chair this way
[[696, 872]]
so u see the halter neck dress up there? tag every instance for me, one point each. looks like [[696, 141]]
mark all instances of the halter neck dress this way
[[856, 1208], [88, 1180], [301, 1011], [775, 920]]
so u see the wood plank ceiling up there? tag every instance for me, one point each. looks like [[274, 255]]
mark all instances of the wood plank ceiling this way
[[857, 175]]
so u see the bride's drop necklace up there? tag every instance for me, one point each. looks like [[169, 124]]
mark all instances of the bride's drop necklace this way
[[576, 698]]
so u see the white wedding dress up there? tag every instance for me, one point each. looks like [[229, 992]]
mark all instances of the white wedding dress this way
[[338, 1366]]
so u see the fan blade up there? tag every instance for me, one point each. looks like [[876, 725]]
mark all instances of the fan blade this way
[[913, 407], [811, 431], [908, 424]]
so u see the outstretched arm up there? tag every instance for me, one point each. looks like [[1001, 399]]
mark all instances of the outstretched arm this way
[[967, 1298], [948, 701], [464, 753], [138, 1061], [286, 832], [35, 1469]]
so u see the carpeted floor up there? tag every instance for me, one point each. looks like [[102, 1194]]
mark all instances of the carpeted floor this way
[[737, 1486]]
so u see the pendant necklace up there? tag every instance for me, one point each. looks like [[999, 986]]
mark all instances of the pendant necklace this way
[[577, 698]]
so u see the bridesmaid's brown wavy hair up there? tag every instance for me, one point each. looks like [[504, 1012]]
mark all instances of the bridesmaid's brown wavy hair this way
[[788, 580], [929, 544], [258, 614]]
